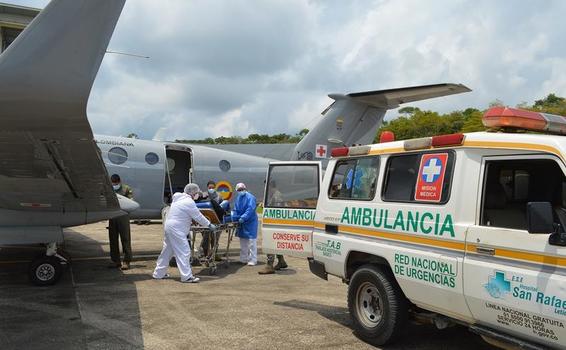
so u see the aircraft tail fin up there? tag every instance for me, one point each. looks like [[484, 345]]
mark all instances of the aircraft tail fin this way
[[354, 118], [56, 58]]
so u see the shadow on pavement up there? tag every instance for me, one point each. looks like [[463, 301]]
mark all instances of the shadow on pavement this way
[[91, 307], [339, 315], [417, 336]]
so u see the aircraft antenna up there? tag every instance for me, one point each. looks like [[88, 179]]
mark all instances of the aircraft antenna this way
[[127, 54]]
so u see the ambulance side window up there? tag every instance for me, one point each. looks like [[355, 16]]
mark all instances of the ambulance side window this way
[[355, 179], [510, 184], [292, 186], [402, 182]]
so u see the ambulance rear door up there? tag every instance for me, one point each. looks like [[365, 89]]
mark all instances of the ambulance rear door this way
[[291, 195]]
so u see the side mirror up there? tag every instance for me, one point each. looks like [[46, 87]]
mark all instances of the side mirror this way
[[540, 218]]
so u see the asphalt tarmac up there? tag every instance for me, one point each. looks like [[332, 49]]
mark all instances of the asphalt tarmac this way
[[94, 307]]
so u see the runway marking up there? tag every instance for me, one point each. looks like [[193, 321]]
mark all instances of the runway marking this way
[[76, 293]]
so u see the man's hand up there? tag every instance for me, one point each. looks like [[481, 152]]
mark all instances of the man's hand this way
[[241, 221]]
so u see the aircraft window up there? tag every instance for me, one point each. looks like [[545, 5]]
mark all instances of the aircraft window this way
[[402, 175], [224, 165], [117, 155], [151, 158], [292, 186], [355, 179]]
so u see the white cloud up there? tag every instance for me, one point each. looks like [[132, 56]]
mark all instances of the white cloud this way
[[236, 67]]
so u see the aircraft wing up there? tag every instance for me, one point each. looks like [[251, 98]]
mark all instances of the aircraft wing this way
[[49, 161], [392, 98]]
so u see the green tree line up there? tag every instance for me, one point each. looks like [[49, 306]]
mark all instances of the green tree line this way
[[412, 122], [252, 138]]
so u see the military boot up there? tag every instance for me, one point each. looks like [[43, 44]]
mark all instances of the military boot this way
[[281, 264], [268, 270]]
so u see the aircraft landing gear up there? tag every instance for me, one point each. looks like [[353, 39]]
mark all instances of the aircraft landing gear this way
[[46, 269]]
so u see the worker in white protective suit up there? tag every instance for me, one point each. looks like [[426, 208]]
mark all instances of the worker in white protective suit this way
[[177, 226]]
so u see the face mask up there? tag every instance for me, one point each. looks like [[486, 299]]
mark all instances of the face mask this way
[[211, 190], [116, 187]]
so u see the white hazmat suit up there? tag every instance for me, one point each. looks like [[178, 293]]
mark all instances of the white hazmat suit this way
[[177, 226]]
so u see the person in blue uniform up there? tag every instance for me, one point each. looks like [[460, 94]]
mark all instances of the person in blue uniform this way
[[246, 215]]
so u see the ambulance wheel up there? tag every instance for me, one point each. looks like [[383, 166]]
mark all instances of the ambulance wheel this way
[[377, 305], [45, 271]]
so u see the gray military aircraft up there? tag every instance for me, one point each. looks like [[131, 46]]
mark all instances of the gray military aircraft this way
[[155, 169], [52, 174]]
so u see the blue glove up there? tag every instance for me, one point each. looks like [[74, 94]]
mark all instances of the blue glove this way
[[241, 221], [212, 227]]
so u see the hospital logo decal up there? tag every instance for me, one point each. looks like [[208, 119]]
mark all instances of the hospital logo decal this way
[[497, 285], [224, 189]]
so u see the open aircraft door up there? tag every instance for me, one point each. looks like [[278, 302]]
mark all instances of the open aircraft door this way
[[291, 195]]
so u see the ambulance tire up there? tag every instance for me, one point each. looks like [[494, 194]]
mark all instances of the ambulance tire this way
[[378, 308]]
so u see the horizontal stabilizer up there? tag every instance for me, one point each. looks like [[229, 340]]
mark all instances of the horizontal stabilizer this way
[[392, 98], [354, 118]]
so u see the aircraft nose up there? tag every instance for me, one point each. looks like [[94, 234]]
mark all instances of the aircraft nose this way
[[127, 204]]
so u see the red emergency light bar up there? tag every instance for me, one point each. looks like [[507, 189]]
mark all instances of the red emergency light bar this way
[[505, 117], [339, 152], [386, 136], [447, 140]]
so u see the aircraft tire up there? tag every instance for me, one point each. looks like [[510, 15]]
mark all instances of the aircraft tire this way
[[45, 271], [378, 307]]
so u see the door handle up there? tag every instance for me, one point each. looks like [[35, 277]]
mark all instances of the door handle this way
[[333, 229], [485, 251]]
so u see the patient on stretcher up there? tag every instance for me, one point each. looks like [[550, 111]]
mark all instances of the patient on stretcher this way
[[216, 213]]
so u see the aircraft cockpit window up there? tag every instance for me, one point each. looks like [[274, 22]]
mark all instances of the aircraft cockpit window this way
[[151, 158], [117, 155]]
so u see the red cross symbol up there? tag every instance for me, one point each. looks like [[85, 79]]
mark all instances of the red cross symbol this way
[[321, 151]]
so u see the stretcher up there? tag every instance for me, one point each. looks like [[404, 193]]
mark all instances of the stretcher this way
[[211, 239]]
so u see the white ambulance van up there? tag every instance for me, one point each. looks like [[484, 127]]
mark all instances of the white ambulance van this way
[[456, 229]]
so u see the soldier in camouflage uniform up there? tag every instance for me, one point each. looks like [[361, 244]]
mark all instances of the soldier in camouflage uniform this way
[[275, 200], [120, 226]]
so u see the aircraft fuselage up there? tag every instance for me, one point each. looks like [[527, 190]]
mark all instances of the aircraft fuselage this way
[[154, 169]]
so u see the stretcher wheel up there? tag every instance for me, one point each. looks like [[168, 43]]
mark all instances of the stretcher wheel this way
[[213, 271]]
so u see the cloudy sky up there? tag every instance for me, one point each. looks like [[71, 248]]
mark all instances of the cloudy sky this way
[[234, 67]]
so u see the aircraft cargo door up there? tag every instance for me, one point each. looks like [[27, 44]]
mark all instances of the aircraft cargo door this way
[[291, 194], [178, 169]]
